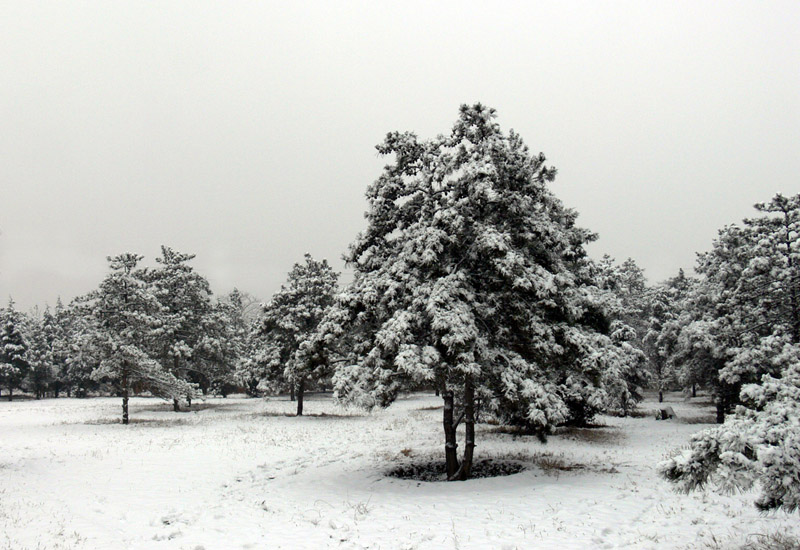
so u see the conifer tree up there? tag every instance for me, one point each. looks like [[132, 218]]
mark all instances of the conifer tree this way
[[187, 345], [623, 293], [127, 317], [232, 326], [751, 326], [82, 349], [290, 319], [472, 275], [666, 302], [41, 333], [14, 364], [60, 348]]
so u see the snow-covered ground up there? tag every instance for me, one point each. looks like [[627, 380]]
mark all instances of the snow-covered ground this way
[[239, 473]]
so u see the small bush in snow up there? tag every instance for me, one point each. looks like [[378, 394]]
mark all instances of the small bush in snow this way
[[759, 446]]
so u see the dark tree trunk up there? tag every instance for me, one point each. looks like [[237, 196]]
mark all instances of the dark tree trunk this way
[[469, 426], [720, 410], [694, 390], [124, 395], [301, 390], [436, 391], [660, 396], [291, 392], [10, 393], [450, 445], [176, 406]]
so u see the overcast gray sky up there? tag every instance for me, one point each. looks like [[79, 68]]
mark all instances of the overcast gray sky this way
[[244, 131]]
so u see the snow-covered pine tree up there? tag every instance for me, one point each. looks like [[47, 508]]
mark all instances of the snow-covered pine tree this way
[[472, 275], [41, 333], [745, 306], [14, 364], [758, 446], [256, 366], [623, 293], [186, 345], [231, 328], [60, 348], [128, 317], [753, 273], [82, 349], [289, 320], [665, 304]]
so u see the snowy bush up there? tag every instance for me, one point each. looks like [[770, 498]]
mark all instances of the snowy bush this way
[[760, 445]]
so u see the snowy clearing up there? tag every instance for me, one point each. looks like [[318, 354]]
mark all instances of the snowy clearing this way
[[239, 473]]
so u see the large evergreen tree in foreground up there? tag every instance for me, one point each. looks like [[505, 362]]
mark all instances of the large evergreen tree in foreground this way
[[471, 276]]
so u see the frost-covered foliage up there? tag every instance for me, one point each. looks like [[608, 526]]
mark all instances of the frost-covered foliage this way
[[41, 335], [625, 299], [164, 316], [745, 306], [83, 352], [749, 332], [759, 445], [287, 323], [14, 365], [472, 277], [229, 318], [124, 319], [191, 343], [665, 304]]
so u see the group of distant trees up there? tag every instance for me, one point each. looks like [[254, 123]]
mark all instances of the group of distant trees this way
[[153, 330], [470, 280]]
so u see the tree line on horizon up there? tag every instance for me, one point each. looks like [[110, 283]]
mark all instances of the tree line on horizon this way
[[471, 279]]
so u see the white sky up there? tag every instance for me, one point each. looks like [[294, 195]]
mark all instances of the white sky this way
[[244, 132]]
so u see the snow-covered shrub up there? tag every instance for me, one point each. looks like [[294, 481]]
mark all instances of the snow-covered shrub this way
[[760, 445]]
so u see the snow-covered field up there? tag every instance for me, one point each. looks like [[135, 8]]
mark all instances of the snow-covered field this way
[[239, 473]]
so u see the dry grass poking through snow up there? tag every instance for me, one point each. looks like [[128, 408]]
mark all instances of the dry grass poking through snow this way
[[756, 541]]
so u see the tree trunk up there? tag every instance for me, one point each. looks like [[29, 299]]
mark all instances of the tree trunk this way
[[469, 426], [720, 410], [450, 445], [291, 392], [10, 393], [694, 390], [301, 390], [176, 406], [660, 396], [124, 395]]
